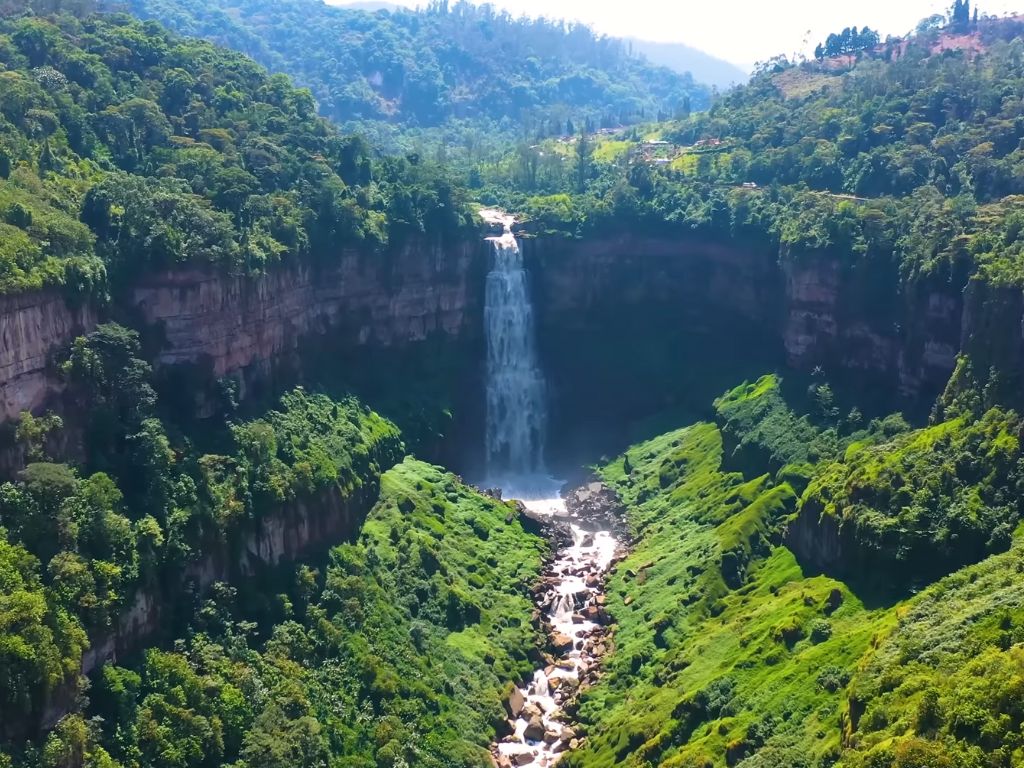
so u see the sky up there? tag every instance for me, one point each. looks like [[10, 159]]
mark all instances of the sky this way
[[740, 31]]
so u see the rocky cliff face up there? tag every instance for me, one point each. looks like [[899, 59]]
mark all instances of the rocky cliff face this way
[[631, 326], [701, 278], [32, 326], [298, 529], [993, 336], [817, 539], [361, 318], [245, 327], [859, 325]]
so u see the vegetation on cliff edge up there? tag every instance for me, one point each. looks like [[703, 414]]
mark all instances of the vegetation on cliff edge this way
[[146, 512], [125, 148]]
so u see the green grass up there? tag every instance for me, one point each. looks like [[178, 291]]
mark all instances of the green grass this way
[[729, 651], [685, 632], [400, 652], [610, 150], [916, 507]]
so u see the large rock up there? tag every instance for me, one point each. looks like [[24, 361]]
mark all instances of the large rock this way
[[516, 702], [534, 729], [561, 643], [529, 711], [32, 326], [594, 501]]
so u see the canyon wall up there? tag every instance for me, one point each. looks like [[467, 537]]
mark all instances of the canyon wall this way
[[629, 325], [247, 327], [342, 319], [856, 325], [634, 325], [32, 327], [993, 336], [301, 528]]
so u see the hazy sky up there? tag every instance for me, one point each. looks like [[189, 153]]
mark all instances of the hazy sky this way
[[742, 31]]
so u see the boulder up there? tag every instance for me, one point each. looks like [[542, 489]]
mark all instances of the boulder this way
[[522, 758], [516, 702], [534, 729], [835, 599], [561, 643]]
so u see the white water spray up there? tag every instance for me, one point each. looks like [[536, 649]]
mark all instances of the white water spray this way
[[516, 425], [516, 392]]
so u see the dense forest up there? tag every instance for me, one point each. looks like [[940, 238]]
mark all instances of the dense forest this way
[[473, 69], [906, 164], [294, 669], [124, 148], [203, 568]]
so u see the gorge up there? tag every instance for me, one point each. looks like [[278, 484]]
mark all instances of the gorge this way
[[249, 359], [571, 594], [621, 322]]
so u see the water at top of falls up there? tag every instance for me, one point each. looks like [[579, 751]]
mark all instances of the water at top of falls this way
[[516, 390]]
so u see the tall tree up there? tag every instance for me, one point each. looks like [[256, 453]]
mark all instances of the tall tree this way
[[584, 161], [961, 15]]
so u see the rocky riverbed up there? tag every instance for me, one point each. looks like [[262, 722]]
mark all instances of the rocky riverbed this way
[[570, 600]]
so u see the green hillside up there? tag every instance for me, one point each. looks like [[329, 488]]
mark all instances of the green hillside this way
[[125, 148], [474, 69]]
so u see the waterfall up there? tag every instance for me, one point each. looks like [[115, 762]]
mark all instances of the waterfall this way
[[564, 607], [540, 683], [516, 392]]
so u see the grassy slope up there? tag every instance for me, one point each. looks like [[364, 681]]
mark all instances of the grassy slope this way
[[401, 653], [727, 649], [485, 564]]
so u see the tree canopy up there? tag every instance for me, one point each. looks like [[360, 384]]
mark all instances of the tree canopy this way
[[124, 147], [448, 64]]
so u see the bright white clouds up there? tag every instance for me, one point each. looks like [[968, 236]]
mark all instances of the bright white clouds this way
[[742, 31]]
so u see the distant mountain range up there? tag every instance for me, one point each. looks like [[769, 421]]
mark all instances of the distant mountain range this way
[[443, 65], [680, 57], [369, 5]]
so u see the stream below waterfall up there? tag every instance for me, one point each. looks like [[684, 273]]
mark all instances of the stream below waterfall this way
[[571, 600], [571, 595]]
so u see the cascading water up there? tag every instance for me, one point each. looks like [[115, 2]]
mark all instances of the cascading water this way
[[571, 603], [572, 600], [516, 392]]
